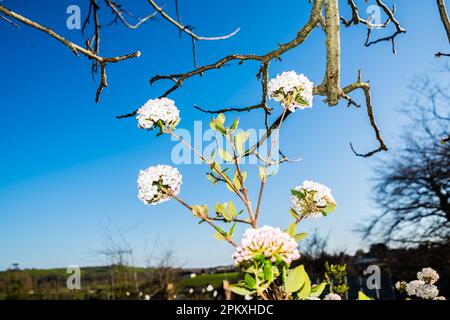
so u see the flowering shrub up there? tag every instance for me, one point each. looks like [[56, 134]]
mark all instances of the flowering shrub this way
[[265, 254], [423, 287]]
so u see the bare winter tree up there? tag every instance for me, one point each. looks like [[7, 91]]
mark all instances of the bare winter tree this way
[[126, 279], [161, 271], [118, 254], [314, 246], [413, 187]]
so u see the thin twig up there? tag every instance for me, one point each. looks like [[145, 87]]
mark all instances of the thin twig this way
[[187, 29], [119, 14], [76, 49]]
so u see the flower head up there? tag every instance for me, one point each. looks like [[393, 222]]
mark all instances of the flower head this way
[[428, 275], [332, 296], [158, 184], [401, 286], [411, 287], [292, 89], [427, 291], [158, 110], [312, 200], [266, 243]]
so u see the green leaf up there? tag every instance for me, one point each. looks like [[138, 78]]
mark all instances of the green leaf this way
[[240, 139], [300, 236], [262, 173], [295, 279], [213, 154], [226, 214], [317, 290], [234, 125], [268, 271], [219, 230], [231, 232], [218, 123], [219, 208], [298, 194], [239, 143], [240, 290], [200, 211], [227, 210], [291, 229], [221, 118], [225, 155], [329, 208], [236, 180], [363, 296], [306, 288], [250, 281], [219, 236], [294, 213], [231, 208]]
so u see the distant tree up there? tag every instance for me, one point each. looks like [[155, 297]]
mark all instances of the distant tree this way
[[161, 271], [118, 254], [413, 186]]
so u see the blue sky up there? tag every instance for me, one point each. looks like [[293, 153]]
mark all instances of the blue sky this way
[[67, 164]]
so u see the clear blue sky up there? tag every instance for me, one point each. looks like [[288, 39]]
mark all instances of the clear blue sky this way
[[67, 164]]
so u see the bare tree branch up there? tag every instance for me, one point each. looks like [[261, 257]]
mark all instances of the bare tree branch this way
[[118, 10], [187, 29], [444, 17], [390, 13], [9, 21], [76, 49]]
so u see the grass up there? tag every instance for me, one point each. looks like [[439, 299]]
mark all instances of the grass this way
[[213, 279]]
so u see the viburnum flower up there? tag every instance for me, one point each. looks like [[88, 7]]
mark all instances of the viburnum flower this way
[[312, 200], [158, 183], [266, 243], [292, 89], [427, 291], [401, 286], [428, 275], [332, 296], [424, 287], [411, 287], [161, 110]]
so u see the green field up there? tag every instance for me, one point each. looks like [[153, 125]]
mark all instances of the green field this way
[[213, 279]]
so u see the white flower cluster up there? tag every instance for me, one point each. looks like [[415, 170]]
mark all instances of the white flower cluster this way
[[424, 287], [267, 243], [292, 89], [161, 109], [332, 296], [312, 200], [155, 184], [428, 275]]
